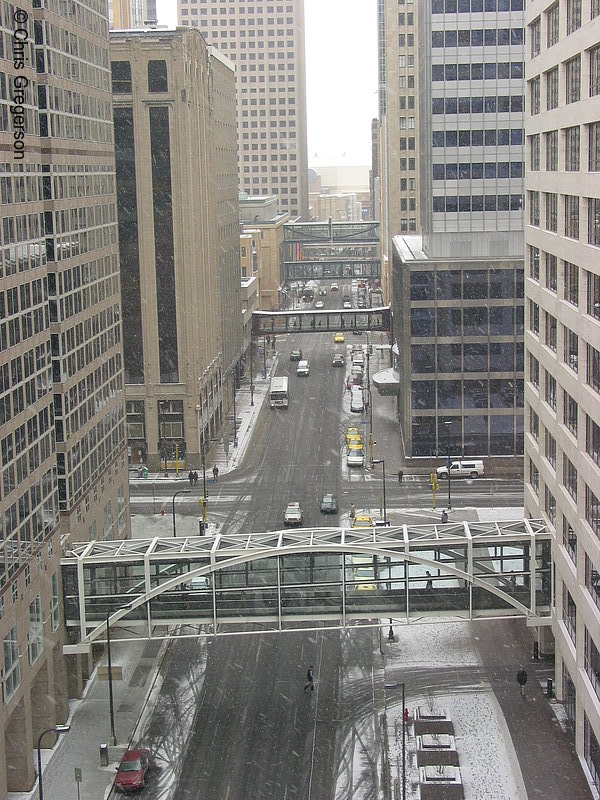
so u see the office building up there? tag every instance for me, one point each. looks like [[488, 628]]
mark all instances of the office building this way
[[62, 403], [174, 112], [265, 42], [562, 341], [258, 215]]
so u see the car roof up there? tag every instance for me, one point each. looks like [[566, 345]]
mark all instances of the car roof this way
[[293, 505], [134, 755]]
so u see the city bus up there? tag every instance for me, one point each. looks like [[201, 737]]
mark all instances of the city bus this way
[[278, 395]]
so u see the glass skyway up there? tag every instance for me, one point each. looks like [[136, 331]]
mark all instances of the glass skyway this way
[[305, 578], [321, 321]]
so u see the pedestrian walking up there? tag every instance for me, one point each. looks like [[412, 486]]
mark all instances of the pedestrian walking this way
[[429, 584], [191, 477], [215, 472], [310, 679], [444, 516], [400, 475], [352, 511], [522, 679], [195, 477]]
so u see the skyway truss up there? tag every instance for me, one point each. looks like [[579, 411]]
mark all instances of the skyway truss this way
[[296, 579]]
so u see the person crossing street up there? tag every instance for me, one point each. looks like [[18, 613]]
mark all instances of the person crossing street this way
[[310, 679]]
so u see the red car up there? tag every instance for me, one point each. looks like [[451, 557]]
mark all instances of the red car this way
[[131, 774]]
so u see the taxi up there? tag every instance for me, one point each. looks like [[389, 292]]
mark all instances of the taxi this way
[[352, 433], [339, 337], [363, 521]]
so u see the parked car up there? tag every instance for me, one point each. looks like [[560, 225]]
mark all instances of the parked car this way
[[462, 469], [296, 355], [319, 304], [356, 400], [353, 380], [352, 432], [363, 521], [338, 360], [339, 338], [329, 504], [303, 368], [131, 772], [322, 291], [358, 358], [335, 287], [355, 456], [347, 304], [292, 514]]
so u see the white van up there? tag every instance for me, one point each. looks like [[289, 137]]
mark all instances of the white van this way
[[462, 469], [356, 400], [302, 368]]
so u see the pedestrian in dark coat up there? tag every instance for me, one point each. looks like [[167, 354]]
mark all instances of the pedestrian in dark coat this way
[[400, 475], [191, 477], [310, 679], [522, 679]]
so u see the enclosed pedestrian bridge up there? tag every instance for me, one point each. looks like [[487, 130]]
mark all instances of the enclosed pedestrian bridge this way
[[265, 323], [306, 578]]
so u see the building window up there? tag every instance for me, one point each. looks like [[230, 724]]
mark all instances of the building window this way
[[569, 614], [570, 413], [12, 674], [551, 327], [551, 272], [534, 152], [595, 4], [157, 76], [593, 295], [594, 146], [534, 37], [551, 202], [594, 220], [570, 477], [550, 505], [534, 209], [593, 368], [592, 439], [121, 77], [572, 153], [595, 71], [569, 540], [571, 289], [573, 15], [534, 371], [550, 391], [571, 204], [552, 25], [552, 89], [534, 317], [55, 608], [550, 449], [534, 424], [534, 477], [534, 95], [534, 263], [573, 80], [36, 629], [592, 510], [551, 144]]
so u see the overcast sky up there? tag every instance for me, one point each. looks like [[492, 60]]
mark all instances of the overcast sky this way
[[341, 77]]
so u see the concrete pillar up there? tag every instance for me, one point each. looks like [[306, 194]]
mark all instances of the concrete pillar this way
[[18, 747]]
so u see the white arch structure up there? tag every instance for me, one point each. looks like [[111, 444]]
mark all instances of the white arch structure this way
[[301, 579]]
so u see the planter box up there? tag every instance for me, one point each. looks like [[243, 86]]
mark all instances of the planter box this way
[[440, 783], [436, 749], [430, 722]]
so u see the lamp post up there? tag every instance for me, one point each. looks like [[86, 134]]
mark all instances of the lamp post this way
[[235, 379], [181, 491], [447, 423], [382, 462], [113, 738], [56, 729], [264, 356], [251, 375]]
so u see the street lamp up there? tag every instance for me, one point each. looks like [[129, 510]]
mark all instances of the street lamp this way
[[251, 375], [113, 738], [382, 462], [55, 729], [447, 423], [181, 491]]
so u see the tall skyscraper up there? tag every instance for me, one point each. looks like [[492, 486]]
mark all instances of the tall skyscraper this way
[[562, 342], [265, 41], [175, 141], [62, 405]]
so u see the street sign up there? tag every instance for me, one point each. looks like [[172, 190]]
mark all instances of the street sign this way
[[117, 673]]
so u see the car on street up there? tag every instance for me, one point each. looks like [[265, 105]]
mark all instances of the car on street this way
[[347, 304], [462, 469], [353, 380], [322, 291], [363, 521], [296, 355], [356, 455], [292, 514], [357, 403], [339, 338], [328, 504], [356, 438], [319, 304], [358, 359], [303, 368], [131, 772], [335, 287], [352, 432], [338, 360]]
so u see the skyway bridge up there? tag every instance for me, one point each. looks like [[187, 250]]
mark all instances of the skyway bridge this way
[[265, 323], [306, 578]]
